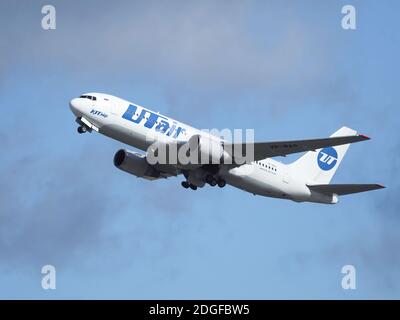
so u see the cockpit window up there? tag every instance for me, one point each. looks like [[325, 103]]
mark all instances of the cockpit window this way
[[88, 97]]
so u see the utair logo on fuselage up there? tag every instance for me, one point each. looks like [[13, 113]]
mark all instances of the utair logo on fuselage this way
[[327, 158], [98, 113], [162, 123]]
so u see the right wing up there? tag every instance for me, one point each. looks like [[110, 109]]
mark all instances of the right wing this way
[[264, 150], [343, 189]]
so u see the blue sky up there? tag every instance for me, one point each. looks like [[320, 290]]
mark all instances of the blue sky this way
[[285, 68]]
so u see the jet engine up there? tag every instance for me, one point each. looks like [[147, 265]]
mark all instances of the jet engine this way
[[135, 163]]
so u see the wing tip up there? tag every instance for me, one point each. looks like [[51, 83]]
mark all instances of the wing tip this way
[[380, 186], [364, 137]]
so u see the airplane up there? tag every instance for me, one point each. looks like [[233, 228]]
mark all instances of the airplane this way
[[305, 180]]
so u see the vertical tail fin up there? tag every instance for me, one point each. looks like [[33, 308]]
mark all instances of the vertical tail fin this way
[[319, 166]]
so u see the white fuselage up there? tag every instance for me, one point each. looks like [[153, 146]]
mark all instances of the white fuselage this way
[[108, 115]]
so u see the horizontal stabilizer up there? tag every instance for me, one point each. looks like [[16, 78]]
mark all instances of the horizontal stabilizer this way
[[343, 189]]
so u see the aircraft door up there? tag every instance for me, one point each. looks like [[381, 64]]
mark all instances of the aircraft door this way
[[112, 107], [286, 176]]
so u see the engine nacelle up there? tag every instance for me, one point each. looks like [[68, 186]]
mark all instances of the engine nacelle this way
[[135, 163], [207, 150]]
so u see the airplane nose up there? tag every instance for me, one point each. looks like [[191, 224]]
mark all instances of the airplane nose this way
[[75, 107]]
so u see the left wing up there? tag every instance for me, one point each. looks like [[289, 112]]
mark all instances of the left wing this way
[[264, 150]]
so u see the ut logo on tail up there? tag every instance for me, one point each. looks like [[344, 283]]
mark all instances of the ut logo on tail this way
[[327, 158]]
